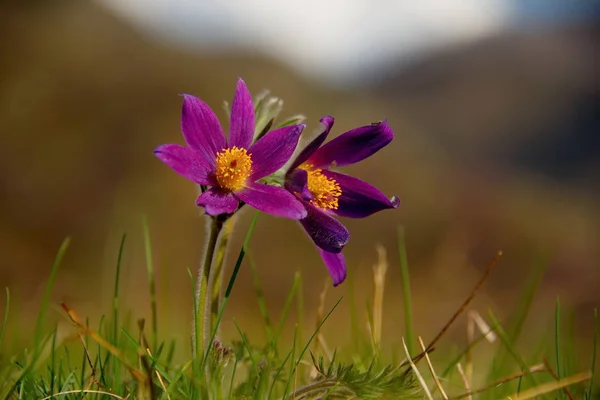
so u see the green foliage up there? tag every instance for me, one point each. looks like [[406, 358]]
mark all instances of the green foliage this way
[[347, 381], [115, 360]]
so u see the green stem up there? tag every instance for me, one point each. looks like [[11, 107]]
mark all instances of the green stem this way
[[202, 318], [215, 280]]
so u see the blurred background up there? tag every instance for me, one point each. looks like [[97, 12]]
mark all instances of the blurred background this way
[[495, 105]]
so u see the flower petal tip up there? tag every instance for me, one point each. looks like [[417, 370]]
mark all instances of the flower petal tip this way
[[340, 280], [386, 129], [300, 127], [301, 214], [217, 202], [328, 121], [336, 265]]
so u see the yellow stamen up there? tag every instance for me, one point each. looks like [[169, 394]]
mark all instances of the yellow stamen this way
[[325, 190], [233, 168]]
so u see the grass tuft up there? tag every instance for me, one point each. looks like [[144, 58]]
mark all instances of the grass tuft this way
[[116, 361]]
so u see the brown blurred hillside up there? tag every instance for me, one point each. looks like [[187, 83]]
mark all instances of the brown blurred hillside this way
[[85, 98]]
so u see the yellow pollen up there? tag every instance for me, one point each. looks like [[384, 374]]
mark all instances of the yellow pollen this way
[[325, 190], [233, 168]]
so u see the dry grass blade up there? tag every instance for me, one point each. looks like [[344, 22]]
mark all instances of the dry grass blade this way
[[162, 384], [92, 379], [468, 354], [532, 370], [438, 384], [483, 326], [556, 378], [464, 305], [85, 391], [416, 371], [474, 320], [379, 273], [465, 381], [144, 360], [551, 386], [102, 342]]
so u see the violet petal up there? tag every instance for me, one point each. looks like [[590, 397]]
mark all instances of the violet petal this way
[[272, 200], [186, 162], [201, 128], [315, 143], [353, 146], [359, 199], [217, 201], [297, 182], [336, 265], [273, 150], [241, 128], [325, 231]]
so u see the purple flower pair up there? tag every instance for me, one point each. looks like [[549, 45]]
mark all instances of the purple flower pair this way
[[233, 170]]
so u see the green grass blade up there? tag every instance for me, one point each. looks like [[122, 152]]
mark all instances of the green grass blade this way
[[524, 307], [497, 327], [526, 300], [53, 361], [354, 329], [241, 255], [260, 296], [557, 342], [594, 352], [285, 360], [293, 365], [5, 320], [299, 359], [300, 305], [116, 365], [231, 382], [39, 326], [460, 354], [286, 308], [408, 320], [115, 302], [246, 346], [151, 283], [197, 329]]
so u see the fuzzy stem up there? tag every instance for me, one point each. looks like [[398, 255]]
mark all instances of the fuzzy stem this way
[[215, 280], [202, 324]]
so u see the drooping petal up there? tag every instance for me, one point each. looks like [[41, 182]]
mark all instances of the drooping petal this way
[[241, 129], [272, 200], [325, 231], [353, 146], [315, 143], [359, 199], [217, 201], [273, 150], [186, 162], [297, 182], [336, 265], [201, 128]]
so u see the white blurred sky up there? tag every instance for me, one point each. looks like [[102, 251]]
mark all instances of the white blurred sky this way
[[333, 40]]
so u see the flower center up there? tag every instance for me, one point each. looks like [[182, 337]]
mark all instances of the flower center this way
[[325, 190], [233, 168]]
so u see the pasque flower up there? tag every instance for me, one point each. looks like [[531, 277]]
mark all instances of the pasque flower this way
[[231, 168], [325, 193]]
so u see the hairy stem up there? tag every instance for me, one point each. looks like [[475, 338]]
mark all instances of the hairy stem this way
[[202, 323], [215, 280]]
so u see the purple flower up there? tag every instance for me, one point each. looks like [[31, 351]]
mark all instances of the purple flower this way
[[325, 193], [232, 167]]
